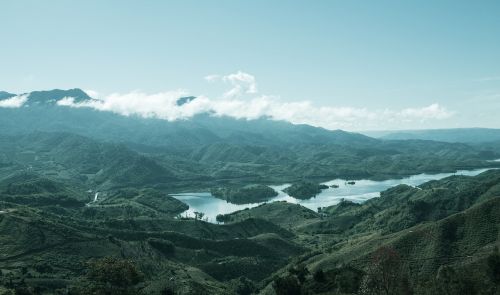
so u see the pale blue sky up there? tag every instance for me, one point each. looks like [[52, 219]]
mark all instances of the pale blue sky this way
[[360, 54]]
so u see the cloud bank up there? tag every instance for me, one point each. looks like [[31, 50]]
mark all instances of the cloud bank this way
[[242, 101], [163, 106], [14, 102]]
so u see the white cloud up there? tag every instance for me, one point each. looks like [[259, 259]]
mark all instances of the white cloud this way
[[160, 105], [14, 102], [70, 102], [163, 106], [241, 83], [239, 103], [433, 111], [212, 78], [92, 93]]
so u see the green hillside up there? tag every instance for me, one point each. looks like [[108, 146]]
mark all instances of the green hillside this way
[[87, 206], [248, 194], [458, 233], [442, 228]]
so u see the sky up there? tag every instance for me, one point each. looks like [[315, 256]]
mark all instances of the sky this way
[[354, 65]]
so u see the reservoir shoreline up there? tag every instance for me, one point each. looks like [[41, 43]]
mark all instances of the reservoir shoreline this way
[[363, 190]]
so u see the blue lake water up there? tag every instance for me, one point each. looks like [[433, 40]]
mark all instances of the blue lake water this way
[[361, 191]]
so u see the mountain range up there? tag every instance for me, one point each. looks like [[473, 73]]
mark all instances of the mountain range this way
[[210, 149], [464, 135], [87, 207]]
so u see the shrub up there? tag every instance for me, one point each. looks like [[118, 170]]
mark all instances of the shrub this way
[[112, 276], [287, 286], [319, 276]]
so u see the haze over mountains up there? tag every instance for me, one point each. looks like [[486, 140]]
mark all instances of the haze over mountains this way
[[87, 192], [41, 111], [466, 135], [224, 147], [249, 147], [199, 128]]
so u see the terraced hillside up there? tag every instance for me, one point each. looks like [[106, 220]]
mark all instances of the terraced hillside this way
[[444, 227]]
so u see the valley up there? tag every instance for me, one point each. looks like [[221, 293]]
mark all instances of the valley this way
[[93, 202], [362, 191], [246, 147]]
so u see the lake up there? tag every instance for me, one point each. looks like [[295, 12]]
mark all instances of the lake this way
[[361, 191]]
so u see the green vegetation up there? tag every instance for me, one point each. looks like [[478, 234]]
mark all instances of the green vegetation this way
[[37, 191], [247, 194], [398, 244], [110, 275], [160, 202], [85, 208], [205, 152], [425, 238], [304, 190], [283, 214]]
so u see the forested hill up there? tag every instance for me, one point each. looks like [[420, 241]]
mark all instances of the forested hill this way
[[42, 113], [439, 237], [104, 149], [91, 163]]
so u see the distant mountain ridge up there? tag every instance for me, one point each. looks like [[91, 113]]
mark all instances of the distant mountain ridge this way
[[52, 96], [198, 130], [49, 97], [78, 184], [465, 135], [5, 95], [111, 150]]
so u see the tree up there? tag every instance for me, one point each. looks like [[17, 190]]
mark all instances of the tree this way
[[493, 262], [300, 271], [198, 215], [385, 274], [113, 276], [449, 282], [319, 276], [168, 290], [288, 285], [222, 218], [244, 286]]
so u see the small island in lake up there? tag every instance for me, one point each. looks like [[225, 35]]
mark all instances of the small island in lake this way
[[304, 190], [248, 194]]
